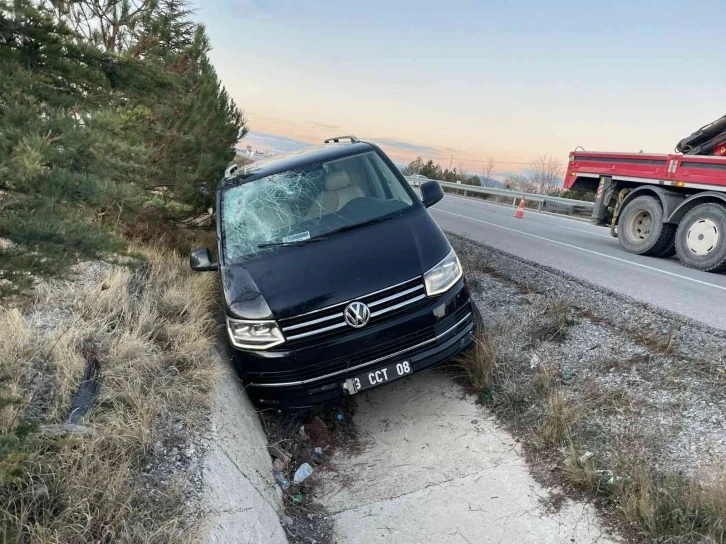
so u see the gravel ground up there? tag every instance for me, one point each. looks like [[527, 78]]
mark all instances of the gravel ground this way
[[665, 375]]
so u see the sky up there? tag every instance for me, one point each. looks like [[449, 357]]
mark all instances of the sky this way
[[472, 79]]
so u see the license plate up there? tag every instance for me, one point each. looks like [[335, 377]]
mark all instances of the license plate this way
[[377, 377]]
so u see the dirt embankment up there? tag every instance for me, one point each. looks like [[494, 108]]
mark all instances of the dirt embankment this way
[[105, 399]]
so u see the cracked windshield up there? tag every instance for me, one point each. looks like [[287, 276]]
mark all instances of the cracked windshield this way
[[308, 202]]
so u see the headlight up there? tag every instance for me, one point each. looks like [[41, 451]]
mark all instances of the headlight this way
[[254, 334], [444, 275]]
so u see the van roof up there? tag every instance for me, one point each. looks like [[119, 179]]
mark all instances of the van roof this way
[[288, 161]]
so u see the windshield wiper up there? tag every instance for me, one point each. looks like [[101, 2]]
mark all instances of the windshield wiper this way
[[326, 234], [354, 226], [291, 243]]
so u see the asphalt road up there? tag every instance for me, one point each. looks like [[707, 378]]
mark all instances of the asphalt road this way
[[590, 253]]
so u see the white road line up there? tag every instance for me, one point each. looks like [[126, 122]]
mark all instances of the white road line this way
[[586, 232], [588, 251]]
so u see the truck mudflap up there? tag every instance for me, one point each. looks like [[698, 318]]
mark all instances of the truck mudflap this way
[[601, 211], [616, 211]]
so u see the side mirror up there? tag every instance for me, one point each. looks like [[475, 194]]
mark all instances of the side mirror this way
[[431, 193], [200, 260]]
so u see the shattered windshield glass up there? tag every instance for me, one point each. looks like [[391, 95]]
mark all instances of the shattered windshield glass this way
[[308, 202]]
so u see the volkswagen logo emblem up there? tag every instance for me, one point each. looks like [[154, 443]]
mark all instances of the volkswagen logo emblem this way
[[357, 314]]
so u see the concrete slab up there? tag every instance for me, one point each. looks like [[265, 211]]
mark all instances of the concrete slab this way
[[238, 513], [243, 500], [436, 468]]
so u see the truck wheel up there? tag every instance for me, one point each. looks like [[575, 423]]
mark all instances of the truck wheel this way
[[701, 238], [669, 252], [641, 229]]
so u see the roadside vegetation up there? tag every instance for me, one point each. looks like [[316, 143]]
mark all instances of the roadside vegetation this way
[[602, 411], [113, 125], [110, 476], [544, 175], [114, 131], [432, 170]]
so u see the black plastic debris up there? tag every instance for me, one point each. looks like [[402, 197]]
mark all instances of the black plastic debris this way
[[87, 392]]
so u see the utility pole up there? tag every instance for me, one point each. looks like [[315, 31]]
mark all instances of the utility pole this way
[[450, 161]]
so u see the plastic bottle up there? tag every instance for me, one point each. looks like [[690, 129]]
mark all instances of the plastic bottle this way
[[283, 482], [302, 473]]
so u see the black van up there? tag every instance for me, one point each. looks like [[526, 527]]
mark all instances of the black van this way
[[335, 277]]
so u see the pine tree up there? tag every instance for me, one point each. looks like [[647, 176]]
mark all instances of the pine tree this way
[[197, 125], [103, 128]]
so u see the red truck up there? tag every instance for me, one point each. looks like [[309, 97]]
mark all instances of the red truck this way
[[662, 205]]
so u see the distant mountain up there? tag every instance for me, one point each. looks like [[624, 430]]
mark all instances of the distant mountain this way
[[490, 182]]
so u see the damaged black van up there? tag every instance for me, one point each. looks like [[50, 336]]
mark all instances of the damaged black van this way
[[335, 277]]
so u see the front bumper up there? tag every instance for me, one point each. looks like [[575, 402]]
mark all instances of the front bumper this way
[[315, 374]]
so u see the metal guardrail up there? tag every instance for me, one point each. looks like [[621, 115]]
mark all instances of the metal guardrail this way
[[546, 202]]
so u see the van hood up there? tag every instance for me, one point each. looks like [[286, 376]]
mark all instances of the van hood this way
[[293, 280]]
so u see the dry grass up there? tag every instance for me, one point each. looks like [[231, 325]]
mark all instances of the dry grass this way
[[478, 363], [549, 319], [580, 470], [671, 506], [662, 507], [151, 332], [657, 342], [560, 417], [657, 507]]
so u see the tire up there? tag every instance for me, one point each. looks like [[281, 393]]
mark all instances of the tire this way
[[641, 229], [670, 252], [701, 238]]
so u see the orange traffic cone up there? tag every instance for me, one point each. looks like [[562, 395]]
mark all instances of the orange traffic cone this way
[[520, 210]]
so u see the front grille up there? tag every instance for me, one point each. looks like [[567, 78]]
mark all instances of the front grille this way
[[329, 322], [410, 343], [449, 323], [317, 370]]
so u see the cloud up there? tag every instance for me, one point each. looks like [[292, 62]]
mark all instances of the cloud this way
[[399, 151], [323, 125], [263, 140], [405, 146], [264, 117]]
